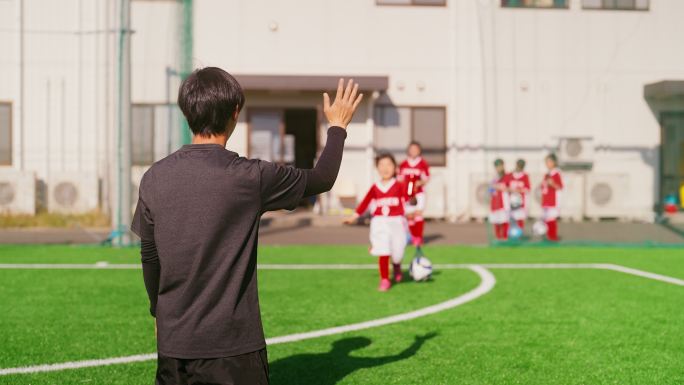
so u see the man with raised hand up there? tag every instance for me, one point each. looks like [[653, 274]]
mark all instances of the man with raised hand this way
[[198, 219]]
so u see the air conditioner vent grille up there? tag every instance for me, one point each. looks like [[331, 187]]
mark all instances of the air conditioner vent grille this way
[[482, 194], [66, 194], [573, 147], [6, 193], [601, 194]]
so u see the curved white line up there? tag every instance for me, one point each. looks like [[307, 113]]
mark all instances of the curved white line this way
[[487, 282], [599, 266], [486, 285]]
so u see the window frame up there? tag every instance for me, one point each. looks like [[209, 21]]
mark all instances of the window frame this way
[[153, 106], [11, 129], [504, 6], [411, 4], [412, 127], [602, 8]]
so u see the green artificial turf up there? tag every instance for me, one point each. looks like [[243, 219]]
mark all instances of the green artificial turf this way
[[534, 327]]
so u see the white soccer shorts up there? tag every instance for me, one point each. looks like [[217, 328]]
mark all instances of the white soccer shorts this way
[[498, 217], [551, 213], [519, 214], [388, 237]]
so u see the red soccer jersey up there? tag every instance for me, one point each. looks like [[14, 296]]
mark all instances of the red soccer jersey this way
[[550, 194], [499, 199], [414, 169], [520, 182], [384, 200]]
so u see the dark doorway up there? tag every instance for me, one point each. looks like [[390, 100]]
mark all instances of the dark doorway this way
[[301, 124], [672, 153]]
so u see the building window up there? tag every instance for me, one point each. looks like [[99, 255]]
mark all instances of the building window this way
[[5, 134], [638, 5], [142, 134], [411, 2], [396, 127], [534, 3]]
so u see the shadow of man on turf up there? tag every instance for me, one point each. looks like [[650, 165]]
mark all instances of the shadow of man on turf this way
[[331, 367]]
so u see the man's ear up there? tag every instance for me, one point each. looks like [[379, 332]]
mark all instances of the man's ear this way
[[236, 113]]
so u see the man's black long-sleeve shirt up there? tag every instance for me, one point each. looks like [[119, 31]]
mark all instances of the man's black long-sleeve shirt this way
[[197, 216]]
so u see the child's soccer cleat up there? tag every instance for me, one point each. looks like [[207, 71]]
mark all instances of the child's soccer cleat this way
[[398, 276], [385, 285]]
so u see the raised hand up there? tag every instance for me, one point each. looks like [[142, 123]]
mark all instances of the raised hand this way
[[341, 111]]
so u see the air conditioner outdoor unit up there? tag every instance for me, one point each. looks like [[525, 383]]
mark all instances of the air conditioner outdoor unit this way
[[572, 196], [534, 210], [606, 195], [478, 192], [17, 191], [435, 195], [576, 152], [72, 193]]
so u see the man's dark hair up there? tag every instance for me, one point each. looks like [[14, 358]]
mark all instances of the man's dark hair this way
[[520, 163], [208, 99], [385, 155], [498, 162]]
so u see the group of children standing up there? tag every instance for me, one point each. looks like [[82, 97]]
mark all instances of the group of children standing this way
[[396, 203], [509, 198]]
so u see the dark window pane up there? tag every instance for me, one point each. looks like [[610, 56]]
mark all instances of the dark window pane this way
[[616, 4], [392, 129], [429, 128], [393, 2], [535, 3], [264, 135], [142, 134], [429, 2], [5, 134]]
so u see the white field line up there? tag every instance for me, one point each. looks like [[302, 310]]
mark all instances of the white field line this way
[[486, 285], [487, 282], [599, 266]]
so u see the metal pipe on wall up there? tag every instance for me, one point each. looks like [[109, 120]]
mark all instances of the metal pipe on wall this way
[[123, 119], [21, 126]]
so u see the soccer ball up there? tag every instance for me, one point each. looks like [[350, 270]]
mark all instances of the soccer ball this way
[[539, 228], [515, 233], [516, 201], [420, 269]]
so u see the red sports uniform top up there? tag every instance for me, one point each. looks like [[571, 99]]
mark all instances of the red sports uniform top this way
[[386, 201], [499, 199], [412, 170], [550, 194], [520, 182]]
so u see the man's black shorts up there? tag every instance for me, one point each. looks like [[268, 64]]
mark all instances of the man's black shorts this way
[[247, 369]]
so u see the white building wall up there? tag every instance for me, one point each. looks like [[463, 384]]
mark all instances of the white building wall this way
[[513, 80], [553, 73]]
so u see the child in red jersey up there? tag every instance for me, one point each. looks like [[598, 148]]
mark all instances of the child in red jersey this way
[[519, 188], [551, 187], [386, 200], [499, 203], [414, 172]]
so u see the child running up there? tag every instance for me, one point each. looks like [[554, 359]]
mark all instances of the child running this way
[[520, 185], [499, 203], [386, 200], [551, 188], [414, 172]]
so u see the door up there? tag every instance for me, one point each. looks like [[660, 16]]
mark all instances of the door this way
[[266, 134], [672, 154], [300, 131]]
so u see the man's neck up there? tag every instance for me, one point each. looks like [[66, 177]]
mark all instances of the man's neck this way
[[214, 139]]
